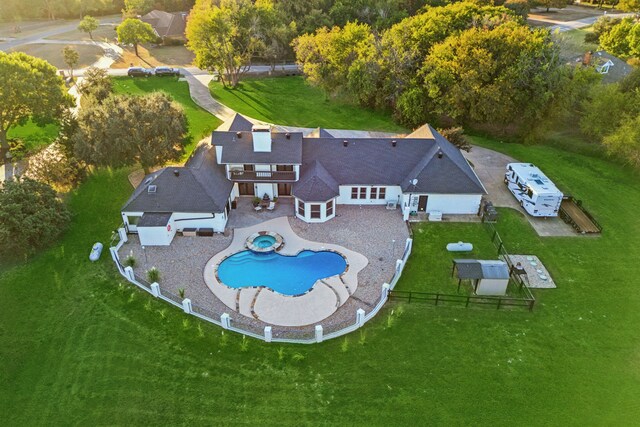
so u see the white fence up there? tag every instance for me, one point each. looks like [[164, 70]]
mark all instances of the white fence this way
[[225, 320]]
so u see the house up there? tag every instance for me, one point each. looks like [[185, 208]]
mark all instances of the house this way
[[612, 68], [421, 172], [166, 24]]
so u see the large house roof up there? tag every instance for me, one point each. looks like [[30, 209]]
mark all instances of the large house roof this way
[[166, 24], [316, 184], [237, 147], [200, 186]]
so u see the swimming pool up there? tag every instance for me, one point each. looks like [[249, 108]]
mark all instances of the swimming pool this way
[[288, 275]]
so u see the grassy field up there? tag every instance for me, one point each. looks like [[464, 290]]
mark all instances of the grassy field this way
[[80, 347], [34, 136], [201, 123], [52, 53], [104, 32], [290, 101], [153, 56], [572, 43]]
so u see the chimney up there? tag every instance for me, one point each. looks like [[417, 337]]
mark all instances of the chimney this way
[[261, 138], [345, 143], [394, 143], [287, 135], [239, 134], [176, 172]]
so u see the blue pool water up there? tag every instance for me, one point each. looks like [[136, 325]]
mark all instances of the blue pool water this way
[[264, 241], [288, 275]]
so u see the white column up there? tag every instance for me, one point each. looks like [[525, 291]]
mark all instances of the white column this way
[[405, 213], [360, 317], [398, 265], [408, 244], [319, 334], [155, 289], [123, 235], [225, 320], [128, 271], [186, 306], [385, 291], [267, 334]]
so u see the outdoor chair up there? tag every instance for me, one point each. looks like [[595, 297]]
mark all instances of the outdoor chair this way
[[257, 208], [271, 206]]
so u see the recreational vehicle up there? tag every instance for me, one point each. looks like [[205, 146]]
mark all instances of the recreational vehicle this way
[[535, 192]]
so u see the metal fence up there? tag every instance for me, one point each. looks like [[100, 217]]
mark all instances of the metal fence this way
[[270, 333]]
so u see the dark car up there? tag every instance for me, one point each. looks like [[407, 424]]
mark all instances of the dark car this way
[[138, 72], [167, 71]]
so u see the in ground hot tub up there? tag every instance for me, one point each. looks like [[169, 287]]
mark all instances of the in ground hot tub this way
[[265, 241]]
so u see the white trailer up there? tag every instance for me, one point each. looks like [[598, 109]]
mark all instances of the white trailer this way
[[536, 193]]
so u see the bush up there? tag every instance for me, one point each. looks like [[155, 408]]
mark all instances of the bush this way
[[455, 135], [31, 218], [153, 275], [130, 261], [53, 167], [170, 41]]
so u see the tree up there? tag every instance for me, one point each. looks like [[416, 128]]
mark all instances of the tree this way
[[88, 25], [71, 58], [519, 7], [456, 136], [133, 8], [629, 5], [558, 4], [603, 110], [224, 38], [31, 218], [126, 129], [96, 84], [633, 38], [616, 41], [625, 140], [275, 34], [32, 89], [53, 167], [134, 31], [603, 25]]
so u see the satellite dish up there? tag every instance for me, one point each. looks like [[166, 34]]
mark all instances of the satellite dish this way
[[414, 181]]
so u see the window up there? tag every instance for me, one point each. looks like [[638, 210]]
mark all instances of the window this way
[[248, 167], [374, 192], [354, 192], [315, 211], [133, 220], [330, 208], [382, 193], [301, 208], [363, 193], [284, 168]]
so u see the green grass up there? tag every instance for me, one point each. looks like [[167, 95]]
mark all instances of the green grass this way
[[291, 101], [201, 122], [80, 347], [34, 136], [572, 43]]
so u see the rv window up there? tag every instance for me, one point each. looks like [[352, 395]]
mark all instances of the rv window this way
[[529, 192]]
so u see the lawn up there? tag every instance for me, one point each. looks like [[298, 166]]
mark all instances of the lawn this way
[[81, 347], [52, 53], [34, 136], [201, 122], [105, 32], [291, 101], [153, 56], [572, 43]]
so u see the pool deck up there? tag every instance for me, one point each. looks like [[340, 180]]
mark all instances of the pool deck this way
[[264, 304]]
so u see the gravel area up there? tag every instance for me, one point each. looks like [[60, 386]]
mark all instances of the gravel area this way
[[537, 274], [369, 230]]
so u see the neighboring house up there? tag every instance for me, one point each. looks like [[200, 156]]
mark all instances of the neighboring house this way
[[422, 172], [167, 25]]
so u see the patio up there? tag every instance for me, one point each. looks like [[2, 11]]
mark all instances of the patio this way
[[244, 215]]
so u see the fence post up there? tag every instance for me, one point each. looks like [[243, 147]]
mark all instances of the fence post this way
[[499, 303], [319, 335], [225, 320], [123, 235], [155, 289], [186, 306], [267, 334], [128, 271], [437, 298], [407, 245], [385, 292], [399, 265], [360, 317]]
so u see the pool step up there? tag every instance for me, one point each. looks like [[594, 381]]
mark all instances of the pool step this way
[[253, 303], [338, 287], [247, 300]]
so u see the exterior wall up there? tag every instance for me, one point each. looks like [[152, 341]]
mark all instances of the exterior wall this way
[[235, 191], [392, 195], [184, 220], [157, 236], [307, 211], [492, 287], [125, 220], [445, 203]]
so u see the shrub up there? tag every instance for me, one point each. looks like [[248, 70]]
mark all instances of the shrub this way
[[31, 218], [52, 166], [153, 275], [130, 261], [181, 293], [456, 136]]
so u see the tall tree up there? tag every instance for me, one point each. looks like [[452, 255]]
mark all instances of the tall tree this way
[[31, 88], [126, 129], [88, 25], [616, 41], [134, 31], [224, 38], [96, 85], [133, 8], [31, 218], [548, 4], [625, 140], [71, 58], [629, 5]]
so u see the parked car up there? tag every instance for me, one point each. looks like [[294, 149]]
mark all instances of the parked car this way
[[138, 72], [167, 71]]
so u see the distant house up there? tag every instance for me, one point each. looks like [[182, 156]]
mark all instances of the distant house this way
[[612, 68], [422, 172], [166, 24]]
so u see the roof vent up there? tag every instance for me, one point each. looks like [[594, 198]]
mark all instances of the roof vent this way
[[239, 134], [345, 143], [394, 143], [152, 189], [440, 153], [287, 135], [176, 172]]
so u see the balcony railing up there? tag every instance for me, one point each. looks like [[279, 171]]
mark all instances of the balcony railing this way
[[264, 176]]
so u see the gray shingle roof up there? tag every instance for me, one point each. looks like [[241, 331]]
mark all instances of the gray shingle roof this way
[[240, 149], [235, 124], [153, 219], [481, 269], [201, 186], [166, 24], [316, 184]]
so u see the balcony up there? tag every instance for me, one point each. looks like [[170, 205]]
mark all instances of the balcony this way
[[262, 176]]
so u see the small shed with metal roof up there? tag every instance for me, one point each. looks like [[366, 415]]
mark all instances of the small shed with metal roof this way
[[488, 277]]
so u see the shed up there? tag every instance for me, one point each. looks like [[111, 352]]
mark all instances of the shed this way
[[488, 277], [156, 229]]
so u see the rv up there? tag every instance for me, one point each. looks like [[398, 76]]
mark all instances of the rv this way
[[535, 192]]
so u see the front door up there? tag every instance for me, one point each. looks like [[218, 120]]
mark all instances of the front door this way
[[422, 203], [284, 189], [246, 189]]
